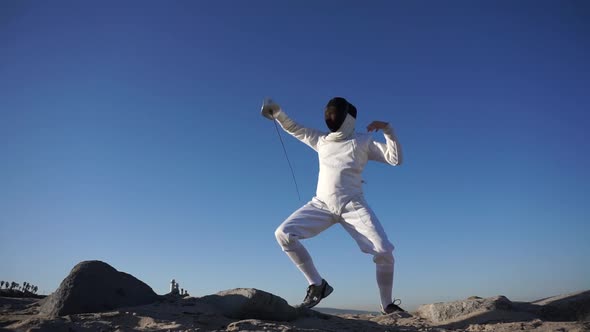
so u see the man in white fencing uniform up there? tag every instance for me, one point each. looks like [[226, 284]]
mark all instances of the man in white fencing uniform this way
[[343, 154]]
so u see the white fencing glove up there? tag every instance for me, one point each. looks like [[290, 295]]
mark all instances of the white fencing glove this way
[[270, 109]]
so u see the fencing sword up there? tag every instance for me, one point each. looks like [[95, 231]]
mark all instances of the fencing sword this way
[[267, 103]]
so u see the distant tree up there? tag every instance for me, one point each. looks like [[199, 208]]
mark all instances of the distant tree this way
[[1, 284], [35, 288]]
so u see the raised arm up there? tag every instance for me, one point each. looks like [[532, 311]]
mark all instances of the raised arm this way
[[388, 152], [308, 136]]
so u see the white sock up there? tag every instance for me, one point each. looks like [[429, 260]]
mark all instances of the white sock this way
[[304, 263], [385, 283]]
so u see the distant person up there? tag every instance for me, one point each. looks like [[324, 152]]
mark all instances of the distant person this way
[[343, 154]]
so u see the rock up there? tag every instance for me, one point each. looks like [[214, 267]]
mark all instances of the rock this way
[[258, 325], [442, 312], [473, 310], [568, 307], [251, 303], [192, 314], [499, 309], [95, 286]]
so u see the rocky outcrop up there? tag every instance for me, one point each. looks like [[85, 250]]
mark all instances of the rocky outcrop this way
[[95, 286], [568, 307], [211, 313], [499, 309], [248, 303], [95, 296], [473, 310]]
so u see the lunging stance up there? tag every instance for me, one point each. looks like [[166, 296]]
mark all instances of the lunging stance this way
[[343, 154]]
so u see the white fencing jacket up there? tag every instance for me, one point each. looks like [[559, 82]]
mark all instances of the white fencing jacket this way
[[342, 162]]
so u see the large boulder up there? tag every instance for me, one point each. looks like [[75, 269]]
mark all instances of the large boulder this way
[[567, 307], [251, 303], [473, 310], [95, 286]]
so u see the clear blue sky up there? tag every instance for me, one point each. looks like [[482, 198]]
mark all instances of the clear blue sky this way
[[130, 132]]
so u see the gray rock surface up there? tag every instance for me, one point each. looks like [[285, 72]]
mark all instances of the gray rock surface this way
[[193, 315], [95, 286], [473, 310], [251, 303], [96, 297], [476, 310], [568, 307]]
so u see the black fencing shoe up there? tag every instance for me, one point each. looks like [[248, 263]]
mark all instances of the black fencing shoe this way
[[392, 307], [315, 293]]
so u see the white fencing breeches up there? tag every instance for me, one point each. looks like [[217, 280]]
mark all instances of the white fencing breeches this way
[[358, 220]]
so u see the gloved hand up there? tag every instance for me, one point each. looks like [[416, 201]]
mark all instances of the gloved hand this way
[[270, 109]]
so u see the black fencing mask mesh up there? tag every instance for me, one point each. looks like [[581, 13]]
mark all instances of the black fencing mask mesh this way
[[336, 111]]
